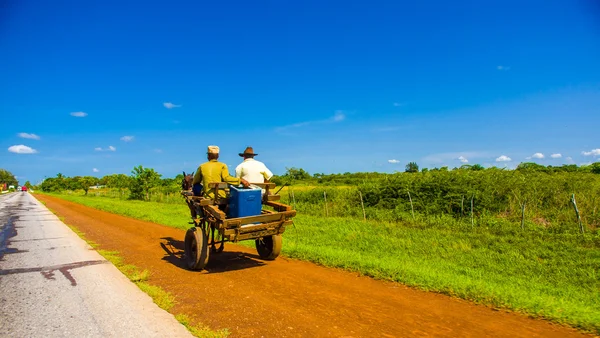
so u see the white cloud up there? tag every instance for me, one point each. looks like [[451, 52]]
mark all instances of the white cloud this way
[[503, 68], [127, 138], [503, 158], [29, 136], [110, 148], [158, 151], [339, 116], [393, 161], [569, 159], [21, 149], [593, 152], [528, 158], [463, 159], [538, 155], [556, 155], [444, 158], [79, 114], [399, 104], [95, 170], [170, 105]]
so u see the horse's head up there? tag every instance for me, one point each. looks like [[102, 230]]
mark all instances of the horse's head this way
[[186, 182]]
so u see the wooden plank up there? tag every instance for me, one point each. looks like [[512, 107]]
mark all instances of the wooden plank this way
[[215, 212], [273, 197], [265, 185], [278, 206], [261, 233], [264, 218]]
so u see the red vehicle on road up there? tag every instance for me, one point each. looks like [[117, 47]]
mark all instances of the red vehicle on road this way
[[23, 188]]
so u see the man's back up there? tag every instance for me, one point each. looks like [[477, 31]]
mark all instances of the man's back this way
[[213, 171], [253, 171]]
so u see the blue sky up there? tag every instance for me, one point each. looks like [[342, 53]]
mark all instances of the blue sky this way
[[98, 87]]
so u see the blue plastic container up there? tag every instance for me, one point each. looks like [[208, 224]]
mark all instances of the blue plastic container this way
[[244, 202]]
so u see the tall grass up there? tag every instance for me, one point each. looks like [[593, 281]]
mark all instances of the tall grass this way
[[538, 271]]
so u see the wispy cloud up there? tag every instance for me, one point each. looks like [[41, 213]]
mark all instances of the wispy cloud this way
[[441, 158], [538, 155], [570, 159], [503, 68], [338, 116], [110, 148], [556, 155], [393, 161], [503, 158], [463, 159], [593, 152], [399, 104], [79, 114], [127, 138], [170, 105], [29, 136], [95, 170], [21, 149], [158, 151]]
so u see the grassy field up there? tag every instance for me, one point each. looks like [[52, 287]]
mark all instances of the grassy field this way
[[553, 275]]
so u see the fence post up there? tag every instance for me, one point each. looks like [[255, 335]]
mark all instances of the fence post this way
[[326, 209], [412, 210], [293, 199], [577, 212], [362, 204], [523, 215]]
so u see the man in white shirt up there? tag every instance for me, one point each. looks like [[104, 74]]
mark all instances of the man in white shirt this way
[[252, 170]]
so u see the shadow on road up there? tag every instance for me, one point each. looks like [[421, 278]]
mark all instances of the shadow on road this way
[[218, 262]]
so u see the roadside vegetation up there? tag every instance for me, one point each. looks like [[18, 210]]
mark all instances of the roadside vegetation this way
[[525, 239]]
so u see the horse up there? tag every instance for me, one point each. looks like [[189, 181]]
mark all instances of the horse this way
[[186, 186]]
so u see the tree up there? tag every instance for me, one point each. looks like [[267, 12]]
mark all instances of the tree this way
[[143, 179], [28, 185], [8, 178], [595, 167], [297, 174], [412, 167], [117, 181], [86, 182]]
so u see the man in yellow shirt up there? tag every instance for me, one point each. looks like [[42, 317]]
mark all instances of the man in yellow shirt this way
[[214, 171]]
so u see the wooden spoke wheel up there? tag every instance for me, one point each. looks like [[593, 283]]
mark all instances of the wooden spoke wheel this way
[[196, 248], [269, 247]]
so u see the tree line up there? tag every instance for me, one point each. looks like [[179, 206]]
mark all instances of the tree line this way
[[138, 185]]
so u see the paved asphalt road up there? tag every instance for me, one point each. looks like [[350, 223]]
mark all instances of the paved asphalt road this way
[[52, 284]]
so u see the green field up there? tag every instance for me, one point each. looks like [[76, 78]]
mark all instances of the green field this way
[[537, 271]]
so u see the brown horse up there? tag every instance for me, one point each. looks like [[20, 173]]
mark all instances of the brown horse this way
[[186, 182], [186, 186]]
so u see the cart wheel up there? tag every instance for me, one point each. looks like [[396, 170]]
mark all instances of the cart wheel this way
[[269, 247], [196, 248]]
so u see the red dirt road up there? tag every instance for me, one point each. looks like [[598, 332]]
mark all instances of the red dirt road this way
[[289, 298]]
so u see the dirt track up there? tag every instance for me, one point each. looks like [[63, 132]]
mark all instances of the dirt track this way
[[289, 298]]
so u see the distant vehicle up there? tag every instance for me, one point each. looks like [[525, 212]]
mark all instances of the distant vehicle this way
[[24, 188]]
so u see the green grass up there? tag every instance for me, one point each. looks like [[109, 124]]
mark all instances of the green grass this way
[[538, 272]]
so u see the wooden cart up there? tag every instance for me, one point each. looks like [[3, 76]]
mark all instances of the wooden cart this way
[[212, 227]]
